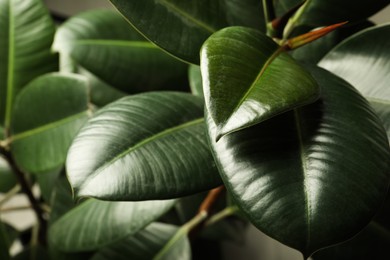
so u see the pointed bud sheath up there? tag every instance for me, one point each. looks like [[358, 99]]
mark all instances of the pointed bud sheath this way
[[306, 38], [248, 78]]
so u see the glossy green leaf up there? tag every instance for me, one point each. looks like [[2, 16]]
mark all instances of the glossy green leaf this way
[[95, 223], [308, 178], [26, 34], [7, 177], [46, 182], [372, 243], [47, 115], [179, 27], [321, 13], [141, 147], [102, 42], [145, 245], [247, 13], [248, 78], [364, 61], [61, 200], [195, 79]]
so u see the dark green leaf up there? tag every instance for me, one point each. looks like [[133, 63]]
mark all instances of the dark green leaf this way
[[145, 245], [308, 178], [247, 13], [102, 42], [4, 243], [95, 223], [61, 200], [46, 182], [101, 93], [321, 13], [141, 147], [47, 115], [248, 78], [316, 50], [364, 61], [179, 27], [7, 177], [26, 34]]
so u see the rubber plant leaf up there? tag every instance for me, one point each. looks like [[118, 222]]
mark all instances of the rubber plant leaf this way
[[307, 178], [47, 115], [187, 24], [143, 147], [322, 13], [94, 224], [26, 34], [364, 61], [102, 42], [248, 78], [146, 244]]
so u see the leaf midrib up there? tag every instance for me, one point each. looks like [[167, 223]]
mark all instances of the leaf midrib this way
[[186, 15], [136, 44], [48, 126], [257, 79], [145, 141], [11, 65], [304, 170]]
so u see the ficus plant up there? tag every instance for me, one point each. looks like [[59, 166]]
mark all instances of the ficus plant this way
[[163, 127]]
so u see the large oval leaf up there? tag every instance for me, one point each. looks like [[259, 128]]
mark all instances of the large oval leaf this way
[[321, 13], [95, 223], [187, 24], [102, 42], [311, 177], [26, 34], [364, 61], [248, 78], [145, 146], [146, 244], [47, 115]]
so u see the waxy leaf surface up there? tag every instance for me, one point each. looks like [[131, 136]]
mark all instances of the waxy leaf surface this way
[[26, 34], [47, 115], [146, 244], [364, 61], [145, 146], [322, 13], [102, 42], [95, 224], [181, 27], [247, 78], [314, 176]]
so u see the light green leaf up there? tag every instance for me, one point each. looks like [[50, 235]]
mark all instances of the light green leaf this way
[[195, 78], [364, 61], [102, 42], [247, 79], [146, 244], [26, 34], [141, 147], [95, 223], [308, 178], [47, 115]]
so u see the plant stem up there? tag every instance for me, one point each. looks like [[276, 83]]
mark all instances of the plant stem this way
[[26, 189], [194, 223], [228, 211], [10, 194]]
